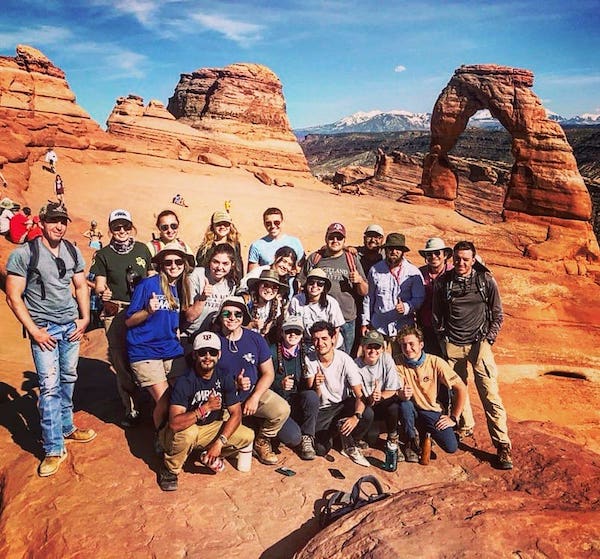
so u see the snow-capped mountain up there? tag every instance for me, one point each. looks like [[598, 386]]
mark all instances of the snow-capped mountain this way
[[400, 120]]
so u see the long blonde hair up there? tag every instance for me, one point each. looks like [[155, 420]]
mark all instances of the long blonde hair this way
[[233, 238], [183, 288]]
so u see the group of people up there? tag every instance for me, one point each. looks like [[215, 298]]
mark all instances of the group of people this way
[[310, 351]]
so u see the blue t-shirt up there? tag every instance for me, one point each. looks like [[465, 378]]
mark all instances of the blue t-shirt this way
[[191, 391], [250, 351], [156, 337], [263, 250]]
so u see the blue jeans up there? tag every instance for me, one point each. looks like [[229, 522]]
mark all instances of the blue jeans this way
[[302, 420], [348, 334], [57, 373], [425, 423]]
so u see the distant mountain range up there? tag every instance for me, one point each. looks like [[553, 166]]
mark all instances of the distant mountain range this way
[[400, 121]]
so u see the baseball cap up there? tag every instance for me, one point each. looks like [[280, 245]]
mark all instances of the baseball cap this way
[[373, 337], [335, 228], [220, 217], [207, 339], [374, 228], [293, 322], [115, 215], [53, 210]]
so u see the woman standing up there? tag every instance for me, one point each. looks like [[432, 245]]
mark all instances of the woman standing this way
[[167, 224], [59, 189], [221, 230], [94, 235], [117, 268], [265, 305], [152, 320], [314, 304]]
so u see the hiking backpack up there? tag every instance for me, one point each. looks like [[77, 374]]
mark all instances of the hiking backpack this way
[[350, 259]]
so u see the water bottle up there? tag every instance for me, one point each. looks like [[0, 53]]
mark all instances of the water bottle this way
[[426, 450], [244, 459], [132, 279], [217, 466], [391, 456]]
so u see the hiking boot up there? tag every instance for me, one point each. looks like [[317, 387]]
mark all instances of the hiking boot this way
[[263, 451], [356, 456], [363, 445], [50, 464], [411, 451], [307, 448], [464, 433], [81, 436], [167, 480], [504, 459], [131, 420]]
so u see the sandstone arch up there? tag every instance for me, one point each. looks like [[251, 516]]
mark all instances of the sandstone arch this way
[[544, 179]]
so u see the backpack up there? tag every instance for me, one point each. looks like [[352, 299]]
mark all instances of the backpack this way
[[339, 503], [34, 259], [350, 259], [156, 243]]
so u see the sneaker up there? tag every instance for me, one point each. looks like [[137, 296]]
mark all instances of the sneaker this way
[[504, 459], [363, 445], [263, 451], [307, 449], [131, 420], [167, 480], [81, 436], [356, 456], [50, 464]]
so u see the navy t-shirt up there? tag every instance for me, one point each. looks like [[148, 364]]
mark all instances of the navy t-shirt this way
[[191, 391], [246, 353]]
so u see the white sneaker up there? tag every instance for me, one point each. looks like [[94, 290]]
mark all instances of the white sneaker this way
[[356, 456]]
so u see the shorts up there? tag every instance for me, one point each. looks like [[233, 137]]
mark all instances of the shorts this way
[[154, 371]]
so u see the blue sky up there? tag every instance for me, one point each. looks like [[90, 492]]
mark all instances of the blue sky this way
[[334, 57]]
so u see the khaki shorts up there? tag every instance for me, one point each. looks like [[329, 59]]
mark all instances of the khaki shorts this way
[[155, 371]]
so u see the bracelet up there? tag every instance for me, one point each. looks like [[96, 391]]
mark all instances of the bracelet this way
[[200, 414], [223, 439], [453, 418]]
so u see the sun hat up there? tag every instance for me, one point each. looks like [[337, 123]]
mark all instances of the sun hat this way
[[435, 243], [269, 276], [373, 337], [236, 301], [7, 204], [335, 228], [53, 210], [220, 217], [119, 214], [293, 322], [206, 339], [319, 273], [396, 240], [374, 228], [174, 247]]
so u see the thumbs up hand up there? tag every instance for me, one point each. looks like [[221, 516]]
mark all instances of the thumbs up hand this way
[[243, 383], [319, 377], [153, 304], [377, 391]]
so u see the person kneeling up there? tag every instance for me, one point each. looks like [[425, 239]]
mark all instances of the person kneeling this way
[[419, 409], [196, 415]]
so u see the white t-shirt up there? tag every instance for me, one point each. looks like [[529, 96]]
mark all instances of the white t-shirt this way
[[384, 371], [340, 376], [313, 312]]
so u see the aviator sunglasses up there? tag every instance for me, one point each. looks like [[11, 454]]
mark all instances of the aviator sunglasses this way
[[317, 282], [117, 227], [170, 261], [166, 226], [275, 223], [233, 314], [61, 267], [335, 237], [434, 253], [207, 351], [294, 332]]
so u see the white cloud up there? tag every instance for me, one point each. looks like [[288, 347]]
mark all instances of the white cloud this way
[[126, 63], [42, 35], [240, 32], [568, 80], [399, 68], [142, 10]]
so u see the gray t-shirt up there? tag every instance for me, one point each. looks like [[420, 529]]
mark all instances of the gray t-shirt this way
[[384, 371], [59, 306]]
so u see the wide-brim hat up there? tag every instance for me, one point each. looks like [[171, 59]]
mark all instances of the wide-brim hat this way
[[269, 276], [174, 247], [238, 302], [433, 244], [396, 240], [7, 204], [319, 273]]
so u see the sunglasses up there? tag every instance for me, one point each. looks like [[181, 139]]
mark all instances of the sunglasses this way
[[207, 351], [116, 228], [317, 282], [335, 237], [433, 253], [294, 332], [222, 224], [61, 267], [373, 346], [268, 285], [275, 223], [172, 261], [232, 314], [166, 226]]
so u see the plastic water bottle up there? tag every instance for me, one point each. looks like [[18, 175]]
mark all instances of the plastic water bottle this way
[[244, 459], [217, 466], [391, 456]]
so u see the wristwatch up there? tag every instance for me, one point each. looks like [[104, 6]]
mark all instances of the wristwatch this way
[[223, 439], [358, 415], [453, 418]]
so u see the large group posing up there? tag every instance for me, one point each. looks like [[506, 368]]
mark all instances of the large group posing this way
[[311, 351]]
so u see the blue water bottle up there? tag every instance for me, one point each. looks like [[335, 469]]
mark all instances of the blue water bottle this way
[[391, 456]]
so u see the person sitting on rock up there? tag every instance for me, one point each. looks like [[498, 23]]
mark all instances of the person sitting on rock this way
[[332, 374], [246, 356], [179, 200], [7, 212], [420, 412], [197, 402], [24, 227]]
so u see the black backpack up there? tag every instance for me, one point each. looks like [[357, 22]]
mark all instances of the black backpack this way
[[339, 503]]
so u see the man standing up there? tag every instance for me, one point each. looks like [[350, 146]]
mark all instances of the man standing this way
[[437, 262], [332, 374], [346, 275], [38, 291], [467, 314], [246, 357], [371, 252], [396, 290], [51, 158], [196, 415], [422, 374], [262, 251]]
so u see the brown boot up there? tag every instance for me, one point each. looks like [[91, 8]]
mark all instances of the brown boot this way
[[504, 458], [264, 452]]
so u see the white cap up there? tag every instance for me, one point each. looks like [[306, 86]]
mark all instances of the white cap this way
[[115, 215], [374, 228], [207, 339]]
